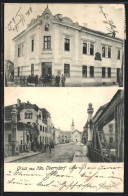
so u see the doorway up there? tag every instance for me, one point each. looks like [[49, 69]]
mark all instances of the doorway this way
[[46, 68]]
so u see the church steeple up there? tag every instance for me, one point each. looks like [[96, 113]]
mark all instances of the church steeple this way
[[72, 126]]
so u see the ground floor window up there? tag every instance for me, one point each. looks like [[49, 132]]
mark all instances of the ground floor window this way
[[103, 72], [91, 72], [18, 71], [84, 71], [67, 70], [109, 72]]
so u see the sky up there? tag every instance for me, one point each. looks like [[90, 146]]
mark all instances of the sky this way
[[64, 104], [81, 13]]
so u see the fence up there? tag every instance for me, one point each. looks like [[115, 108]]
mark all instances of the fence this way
[[95, 155]]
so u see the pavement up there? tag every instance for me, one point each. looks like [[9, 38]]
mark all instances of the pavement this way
[[81, 152], [20, 156]]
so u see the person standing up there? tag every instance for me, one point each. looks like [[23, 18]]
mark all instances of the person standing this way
[[63, 79], [57, 80]]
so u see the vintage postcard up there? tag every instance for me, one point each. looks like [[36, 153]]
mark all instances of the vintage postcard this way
[[70, 45], [64, 97]]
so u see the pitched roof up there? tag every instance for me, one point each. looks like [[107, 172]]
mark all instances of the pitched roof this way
[[20, 127], [77, 131]]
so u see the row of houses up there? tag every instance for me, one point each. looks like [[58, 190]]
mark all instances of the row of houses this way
[[27, 126], [103, 133], [53, 44]]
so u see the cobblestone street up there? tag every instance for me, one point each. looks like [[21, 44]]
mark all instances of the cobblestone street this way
[[60, 153]]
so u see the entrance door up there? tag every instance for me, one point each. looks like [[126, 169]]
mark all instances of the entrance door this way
[[118, 75], [47, 68]]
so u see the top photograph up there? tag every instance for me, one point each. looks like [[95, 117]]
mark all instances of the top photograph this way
[[64, 45]]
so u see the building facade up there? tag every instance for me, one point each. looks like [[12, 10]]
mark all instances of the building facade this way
[[57, 45], [76, 136], [107, 131], [26, 123]]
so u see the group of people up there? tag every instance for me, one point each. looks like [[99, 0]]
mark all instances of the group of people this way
[[57, 80], [46, 80], [35, 146], [32, 79]]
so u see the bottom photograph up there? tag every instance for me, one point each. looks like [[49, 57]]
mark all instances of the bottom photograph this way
[[63, 125]]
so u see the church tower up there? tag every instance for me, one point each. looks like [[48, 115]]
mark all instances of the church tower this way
[[72, 126], [90, 118]]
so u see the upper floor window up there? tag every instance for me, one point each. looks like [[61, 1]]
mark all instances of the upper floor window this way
[[91, 72], [47, 42], [66, 70], [9, 138], [103, 72], [40, 128], [118, 54], [109, 72], [32, 45], [109, 52], [84, 71], [84, 48], [20, 50], [103, 51], [67, 44], [91, 49], [28, 115]]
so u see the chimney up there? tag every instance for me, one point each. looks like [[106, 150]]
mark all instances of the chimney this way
[[18, 102]]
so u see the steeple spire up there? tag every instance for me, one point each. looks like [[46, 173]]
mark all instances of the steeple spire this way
[[72, 122]]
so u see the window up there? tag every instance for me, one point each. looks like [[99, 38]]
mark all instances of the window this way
[[91, 71], [28, 115], [32, 69], [118, 54], [110, 128], [91, 49], [46, 129], [20, 50], [103, 72], [40, 128], [66, 70], [18, 71], [109, 52], [9, 138], [47, 42], [84, 48], [43, 128], [109, 72], [103, 51], [84, 71], [32, 45], [111, 140], [67, 44]]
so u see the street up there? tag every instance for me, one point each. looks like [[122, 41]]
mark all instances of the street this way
[[60, 153]]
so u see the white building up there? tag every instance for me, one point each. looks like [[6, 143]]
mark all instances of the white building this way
[[55, 44], [76, 136]]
